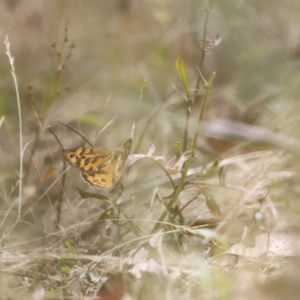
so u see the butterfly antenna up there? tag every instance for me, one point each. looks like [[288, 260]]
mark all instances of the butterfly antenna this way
[[57, 139], [75, 130]]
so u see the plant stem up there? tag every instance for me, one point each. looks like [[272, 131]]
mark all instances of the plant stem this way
[[11, 61], [180, 187], [203, 105], [187, 122], [203, 51]]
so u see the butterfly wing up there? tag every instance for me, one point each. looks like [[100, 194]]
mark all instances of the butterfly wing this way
[[103, 178], [119, 159], [99, 167], [109, 172], [87, 159]]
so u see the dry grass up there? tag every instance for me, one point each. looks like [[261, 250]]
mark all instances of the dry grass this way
[[226, 225]]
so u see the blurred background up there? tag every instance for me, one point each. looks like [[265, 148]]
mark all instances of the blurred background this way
[[121, 44], [104, 66]]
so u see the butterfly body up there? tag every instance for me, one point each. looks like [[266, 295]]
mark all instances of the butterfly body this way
[[100, 167]]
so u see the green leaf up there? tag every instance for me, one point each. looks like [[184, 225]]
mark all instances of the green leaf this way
[[212, 167], [212, 204], [71, 247], [183, 75], [86, 195], [65, 269], [51, 292]]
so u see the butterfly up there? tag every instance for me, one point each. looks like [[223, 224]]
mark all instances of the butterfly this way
[[100, 167]]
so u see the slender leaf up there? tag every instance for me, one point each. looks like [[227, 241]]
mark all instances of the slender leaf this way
[[183, 75], [86, 195]]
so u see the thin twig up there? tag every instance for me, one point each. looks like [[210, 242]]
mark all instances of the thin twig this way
[[75, 130], [203, 51], [11, 61], [165, 171], [31, 155], [203, 106], [104, 128], [187, 122], [55, 136], [38, 133], [60, 198]]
